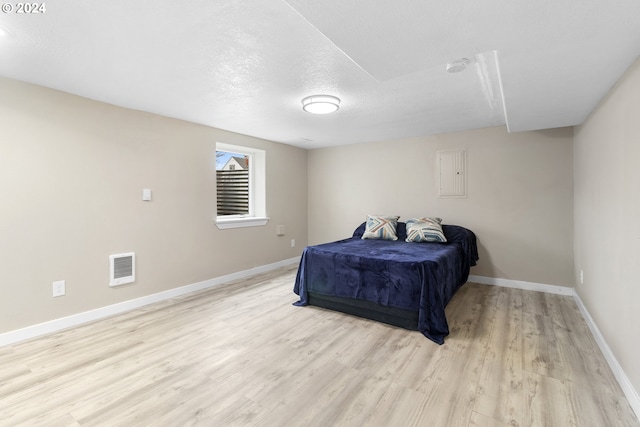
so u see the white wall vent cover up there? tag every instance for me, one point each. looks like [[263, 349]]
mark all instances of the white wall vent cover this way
[[123, 269]]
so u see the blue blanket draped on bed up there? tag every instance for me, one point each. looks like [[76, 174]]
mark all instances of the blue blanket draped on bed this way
[[420, 277]]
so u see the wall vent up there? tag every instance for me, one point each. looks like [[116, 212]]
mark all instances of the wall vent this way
[[123, 269]]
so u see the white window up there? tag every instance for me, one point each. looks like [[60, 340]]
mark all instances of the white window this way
[[240, 182]]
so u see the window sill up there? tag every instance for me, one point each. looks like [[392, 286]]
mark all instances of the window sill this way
[[224, 224]]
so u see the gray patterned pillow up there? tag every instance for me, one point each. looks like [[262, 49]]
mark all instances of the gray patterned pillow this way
[[381, 227], [425, 230]]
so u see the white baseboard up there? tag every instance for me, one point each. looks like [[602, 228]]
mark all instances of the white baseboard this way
[[110, 310], [103, 312], [628, 389], [519, 284]]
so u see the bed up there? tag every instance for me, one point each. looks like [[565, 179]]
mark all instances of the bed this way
[[391, 281]]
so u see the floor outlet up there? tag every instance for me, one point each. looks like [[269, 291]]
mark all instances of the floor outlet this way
[[58, 288]]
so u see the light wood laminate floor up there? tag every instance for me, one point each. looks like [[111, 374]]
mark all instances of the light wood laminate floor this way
[[241, 354]]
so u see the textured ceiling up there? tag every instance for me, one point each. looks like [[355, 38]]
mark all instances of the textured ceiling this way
[[244, 66]]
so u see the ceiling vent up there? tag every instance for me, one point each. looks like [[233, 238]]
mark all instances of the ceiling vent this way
[[123, 269]]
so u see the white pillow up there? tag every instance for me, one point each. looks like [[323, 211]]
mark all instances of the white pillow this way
[[381, 227], [425, 230]]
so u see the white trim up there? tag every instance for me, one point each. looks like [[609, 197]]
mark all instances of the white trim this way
[[110, 310], [625, 384], [257, 179], [224, 224], [504, 102], [519, 284], [103, 312]]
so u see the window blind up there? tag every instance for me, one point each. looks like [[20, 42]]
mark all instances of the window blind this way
[[232, 192]]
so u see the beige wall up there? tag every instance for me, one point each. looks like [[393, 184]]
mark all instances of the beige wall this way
[[71, 178], [519, 200], [72, 171], [607, 219]]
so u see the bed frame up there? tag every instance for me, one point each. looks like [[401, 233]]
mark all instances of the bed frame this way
[[390, 315]]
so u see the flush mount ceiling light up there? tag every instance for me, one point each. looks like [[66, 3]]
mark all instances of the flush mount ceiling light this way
[[320, 104], [457, 66]]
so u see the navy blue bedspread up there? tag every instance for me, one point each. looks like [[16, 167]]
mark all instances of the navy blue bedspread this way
[[419, 277]]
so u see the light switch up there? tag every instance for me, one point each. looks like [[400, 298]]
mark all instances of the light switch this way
[[146, 195]]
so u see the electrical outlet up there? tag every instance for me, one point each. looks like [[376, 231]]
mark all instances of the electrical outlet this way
[[581, 277], [58, 288], [293, 243]]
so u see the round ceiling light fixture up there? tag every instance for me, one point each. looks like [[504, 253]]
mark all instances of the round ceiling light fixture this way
[[457, 66], [321, 104]]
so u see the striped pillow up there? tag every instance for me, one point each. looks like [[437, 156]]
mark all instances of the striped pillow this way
[[425, 230], [381, 227]]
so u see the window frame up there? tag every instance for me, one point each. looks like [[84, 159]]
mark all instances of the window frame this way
[[257, 215]]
